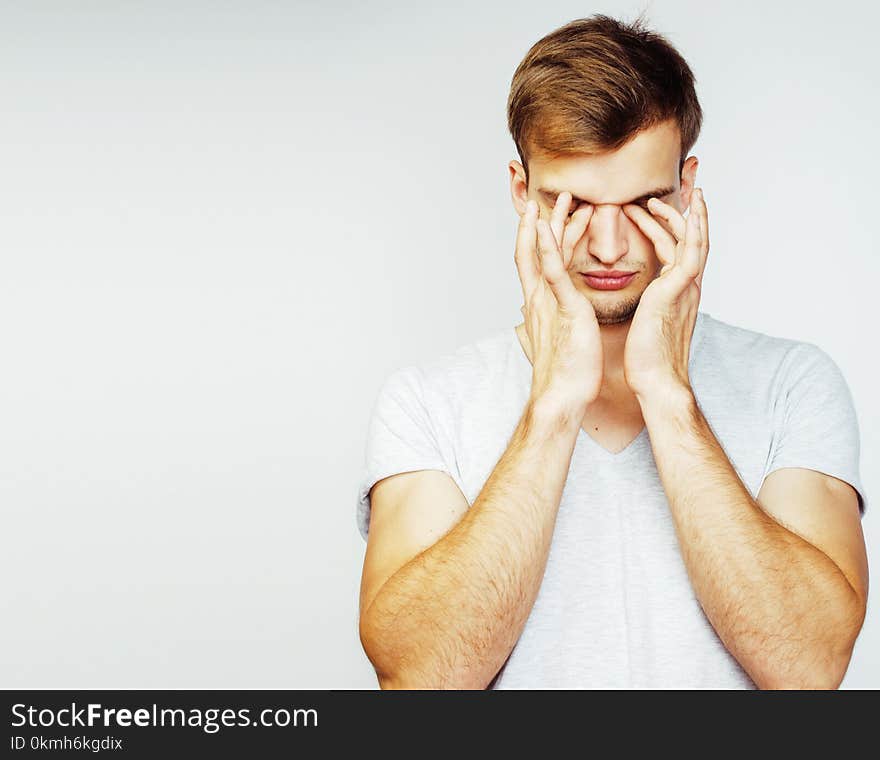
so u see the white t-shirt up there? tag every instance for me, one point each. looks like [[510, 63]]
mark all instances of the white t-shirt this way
[[616, 608]]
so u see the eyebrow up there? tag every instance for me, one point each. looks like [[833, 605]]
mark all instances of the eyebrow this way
[[659, 192]]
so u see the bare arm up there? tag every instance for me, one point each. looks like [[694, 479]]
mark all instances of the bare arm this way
[[446, 590], [451, 615], [783, 579]]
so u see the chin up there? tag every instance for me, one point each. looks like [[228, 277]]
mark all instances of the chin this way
[[614, 318], [615, 311], [615, 307]]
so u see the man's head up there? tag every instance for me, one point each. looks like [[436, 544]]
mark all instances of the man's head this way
[[606, 111]]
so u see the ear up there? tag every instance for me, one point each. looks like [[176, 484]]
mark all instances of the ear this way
[[519, 191], [688, 181]]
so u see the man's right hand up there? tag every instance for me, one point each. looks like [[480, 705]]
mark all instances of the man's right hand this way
[[564, 339]]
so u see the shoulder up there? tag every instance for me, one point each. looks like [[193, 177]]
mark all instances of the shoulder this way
[[719, 335], [732, 350], [461, 370], [473, 362]]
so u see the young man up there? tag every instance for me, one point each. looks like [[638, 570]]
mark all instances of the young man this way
[[621, 491]]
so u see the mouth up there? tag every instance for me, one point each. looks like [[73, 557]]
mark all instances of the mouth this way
[[608, 280]]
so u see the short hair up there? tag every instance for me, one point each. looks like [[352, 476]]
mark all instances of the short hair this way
[[592, 84]]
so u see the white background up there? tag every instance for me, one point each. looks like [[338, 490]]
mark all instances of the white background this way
[[223, 224]]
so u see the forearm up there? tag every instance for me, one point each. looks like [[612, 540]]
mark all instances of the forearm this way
[[779, 604], [450, 617]]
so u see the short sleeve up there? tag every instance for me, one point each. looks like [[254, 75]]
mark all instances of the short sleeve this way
[[816, 423], [401, 437]]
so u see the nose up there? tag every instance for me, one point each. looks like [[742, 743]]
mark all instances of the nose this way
[[606, 233]]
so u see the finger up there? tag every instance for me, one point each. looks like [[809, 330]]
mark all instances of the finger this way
[[551, 266], [559, 214], [574, 230], [664, 242], [704, 234], [692, 254], [525, 255], [669, 214]]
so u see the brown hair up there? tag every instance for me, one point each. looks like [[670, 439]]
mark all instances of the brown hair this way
[[592, 84]]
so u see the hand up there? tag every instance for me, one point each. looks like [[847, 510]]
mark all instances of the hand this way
[[657, 349], [565, 347]]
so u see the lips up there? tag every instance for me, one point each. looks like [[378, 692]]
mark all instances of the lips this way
[[608, 273], [608, 280]]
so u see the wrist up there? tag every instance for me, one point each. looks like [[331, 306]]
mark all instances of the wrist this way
[[668, 399], [552, 414]]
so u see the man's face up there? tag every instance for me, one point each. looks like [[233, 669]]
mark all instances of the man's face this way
[[646, 166]]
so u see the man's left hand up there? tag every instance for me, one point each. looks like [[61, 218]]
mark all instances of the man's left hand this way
[[657, 348]]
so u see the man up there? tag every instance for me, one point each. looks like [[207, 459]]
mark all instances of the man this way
[[621, 491]]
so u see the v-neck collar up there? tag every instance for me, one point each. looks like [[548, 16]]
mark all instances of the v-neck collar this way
[[526, 366]]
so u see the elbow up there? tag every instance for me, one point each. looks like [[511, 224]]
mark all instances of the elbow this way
[[391, 682], [396, 669], [824, 669], [842, 646], [371, 642], [818, 679], [384, 657], [411, 681], [838, 663], [822, 672]]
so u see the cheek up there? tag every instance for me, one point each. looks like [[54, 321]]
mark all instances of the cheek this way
[[643, 254]]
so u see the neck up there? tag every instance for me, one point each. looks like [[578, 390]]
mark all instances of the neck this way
[[613, 344]]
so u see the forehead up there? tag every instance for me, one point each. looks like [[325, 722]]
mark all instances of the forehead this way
[[649, 160]]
